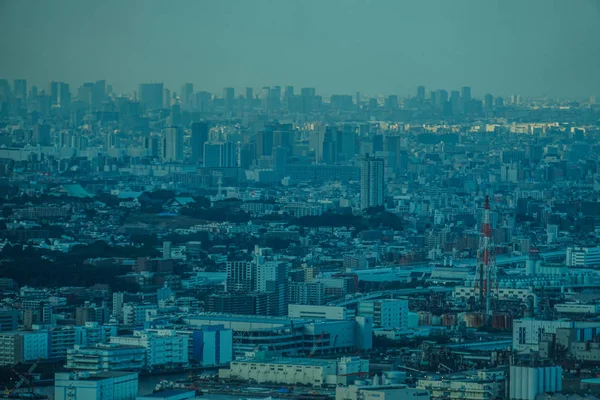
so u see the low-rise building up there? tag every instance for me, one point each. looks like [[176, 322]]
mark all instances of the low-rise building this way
[[440, 388], [380, 392], [296, 371], [104, 385], [162, 348], [106, 357]]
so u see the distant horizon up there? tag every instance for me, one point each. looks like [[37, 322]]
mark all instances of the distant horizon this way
[[240, 91], [533, 48]]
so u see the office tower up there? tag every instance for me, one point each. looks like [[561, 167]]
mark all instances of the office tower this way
[[41, 135], [249, 94], [187, 90], [289, 92], [308, 100], [220, 155], [329, 145], [284, 137], [346, 143], [4, 89], [488, 102], [60, 94], [264, 142], [54, 93], [421, 94], [166, 98], [455, 102], [499, 101], [203, 100], [442, 98], [99, 94], [371, 182], [151, 95], [465, 94], [264, 97], [229, 98], [20, 89], [373, 104], [198, 139], [391, 103], [357, 100], [173, 144], [274, 98]]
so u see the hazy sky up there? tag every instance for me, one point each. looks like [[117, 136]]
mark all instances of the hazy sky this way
[[530, 47]]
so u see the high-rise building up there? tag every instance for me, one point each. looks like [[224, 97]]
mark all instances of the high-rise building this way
[[20, 89], [264, 142], [173, 144], [421, 93], [465, 94], [60, 94], [198, 139], [187, 91], [151, 95], [99, 94], [249, 94], [41, 135], [220, 154], [229, 98], [371, 182]]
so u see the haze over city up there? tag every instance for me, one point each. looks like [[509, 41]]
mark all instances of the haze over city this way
[[532, 48], [300, 200]]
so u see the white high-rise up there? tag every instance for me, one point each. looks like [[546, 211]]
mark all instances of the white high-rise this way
[[173, 144], [371, 182]]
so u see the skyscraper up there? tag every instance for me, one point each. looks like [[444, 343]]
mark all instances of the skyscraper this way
[[187, 90], [199, 138], [20, 88], [173, 144], [465, 94], [151, 95], [60, 94], [229, 97], [371, 182], [421, 94], [220, 155], [41, 135]]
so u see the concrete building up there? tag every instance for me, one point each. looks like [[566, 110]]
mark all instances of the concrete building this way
[[380, 392], [583, 256], [137, 314], [163, 347], [9, 320], [293, 371], [294, 336], [320, 312], [387, 314], [527, 332], [106, 357], [460, 389], [207, 346], [104, 385]]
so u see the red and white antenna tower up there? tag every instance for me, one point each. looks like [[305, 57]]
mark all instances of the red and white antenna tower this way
[[486, 279]]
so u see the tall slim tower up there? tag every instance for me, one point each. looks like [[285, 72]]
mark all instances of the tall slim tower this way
[[371, 182], [486, 280]]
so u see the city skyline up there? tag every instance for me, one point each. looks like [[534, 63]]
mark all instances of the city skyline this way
[[238, 44]]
